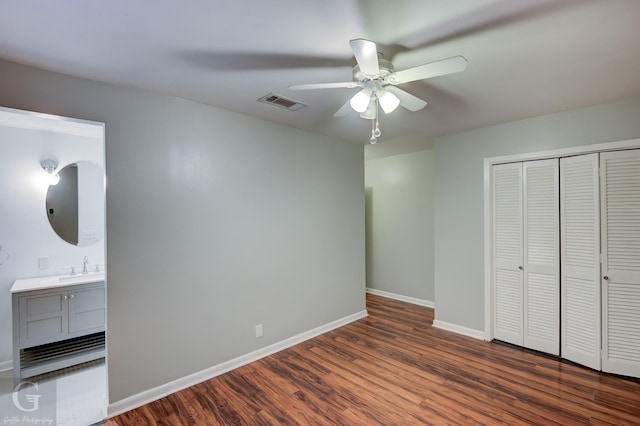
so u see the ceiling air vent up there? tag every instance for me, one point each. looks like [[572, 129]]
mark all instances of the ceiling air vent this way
[[282, 102]]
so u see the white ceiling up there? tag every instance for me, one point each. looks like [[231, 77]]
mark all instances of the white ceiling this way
[[526, 57]]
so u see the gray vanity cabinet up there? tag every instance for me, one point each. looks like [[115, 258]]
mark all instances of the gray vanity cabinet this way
[[57, 327], [86, 309], [43, 317], [47, 316]]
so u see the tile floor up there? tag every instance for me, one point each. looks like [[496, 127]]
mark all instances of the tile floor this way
[[81, 393]]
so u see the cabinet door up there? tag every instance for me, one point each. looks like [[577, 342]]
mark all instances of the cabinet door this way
[[87, 309], [580, 254], [507, 252], [541, 281], [620, 204], [43, 318]]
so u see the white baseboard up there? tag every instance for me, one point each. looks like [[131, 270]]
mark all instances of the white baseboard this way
[[6, 365], [470, 332], [156, 393], [408, 299]]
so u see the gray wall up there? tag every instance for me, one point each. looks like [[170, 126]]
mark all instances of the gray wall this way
[[215, 222], [458, 192], [399, 200]]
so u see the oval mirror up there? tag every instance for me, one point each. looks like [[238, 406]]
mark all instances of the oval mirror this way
[[75, 206]]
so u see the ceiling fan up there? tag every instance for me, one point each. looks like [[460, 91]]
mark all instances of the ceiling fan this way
[[378, 79]]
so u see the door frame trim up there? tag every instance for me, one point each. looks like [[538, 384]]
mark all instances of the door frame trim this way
[[527, 156]]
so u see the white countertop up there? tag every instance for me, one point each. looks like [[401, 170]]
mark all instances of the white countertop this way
[[42, 283]]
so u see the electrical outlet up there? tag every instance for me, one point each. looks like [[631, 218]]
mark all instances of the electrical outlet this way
[[258, 331]]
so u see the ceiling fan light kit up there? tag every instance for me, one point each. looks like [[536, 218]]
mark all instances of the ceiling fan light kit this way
[[388, 101], [371, 113], [361, 100], [378, 79]]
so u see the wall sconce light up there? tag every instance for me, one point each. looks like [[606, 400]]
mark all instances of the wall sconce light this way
[[50, 166]]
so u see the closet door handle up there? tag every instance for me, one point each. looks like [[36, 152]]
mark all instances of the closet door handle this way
[[65, 297], [520, 267], [606, 278]]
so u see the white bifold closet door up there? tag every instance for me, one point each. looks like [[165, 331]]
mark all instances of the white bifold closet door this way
[[541, 254], [620, 211], [526, 252], [507, 253], [580, 254]]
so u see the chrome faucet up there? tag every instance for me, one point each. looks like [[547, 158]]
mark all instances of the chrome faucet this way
[[85, 262]]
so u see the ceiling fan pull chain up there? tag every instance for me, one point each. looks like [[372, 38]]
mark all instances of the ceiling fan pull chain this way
[[375, 125], [377, 131], [373, 139]]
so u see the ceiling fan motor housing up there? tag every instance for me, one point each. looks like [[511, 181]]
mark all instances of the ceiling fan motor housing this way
[[386, 69]]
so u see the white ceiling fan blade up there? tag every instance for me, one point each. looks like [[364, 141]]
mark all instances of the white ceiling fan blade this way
[[346, 85], [433, 69], [407, 100], [366, 54], [344, 110]]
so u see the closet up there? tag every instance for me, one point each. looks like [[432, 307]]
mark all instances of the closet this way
[[566, 258]]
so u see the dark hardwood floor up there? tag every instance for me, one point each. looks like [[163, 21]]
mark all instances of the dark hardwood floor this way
[[393, 368]]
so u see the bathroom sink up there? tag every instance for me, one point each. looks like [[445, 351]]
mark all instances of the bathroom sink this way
[[82, 278]]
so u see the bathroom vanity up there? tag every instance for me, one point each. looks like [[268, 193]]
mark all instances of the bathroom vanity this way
[[58, 321]]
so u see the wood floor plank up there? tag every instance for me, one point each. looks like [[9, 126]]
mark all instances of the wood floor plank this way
[[394, 368]]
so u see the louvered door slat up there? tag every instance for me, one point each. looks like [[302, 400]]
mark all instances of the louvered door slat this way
[[507, 252], [580, 254], [620, 204], [541, 286]]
